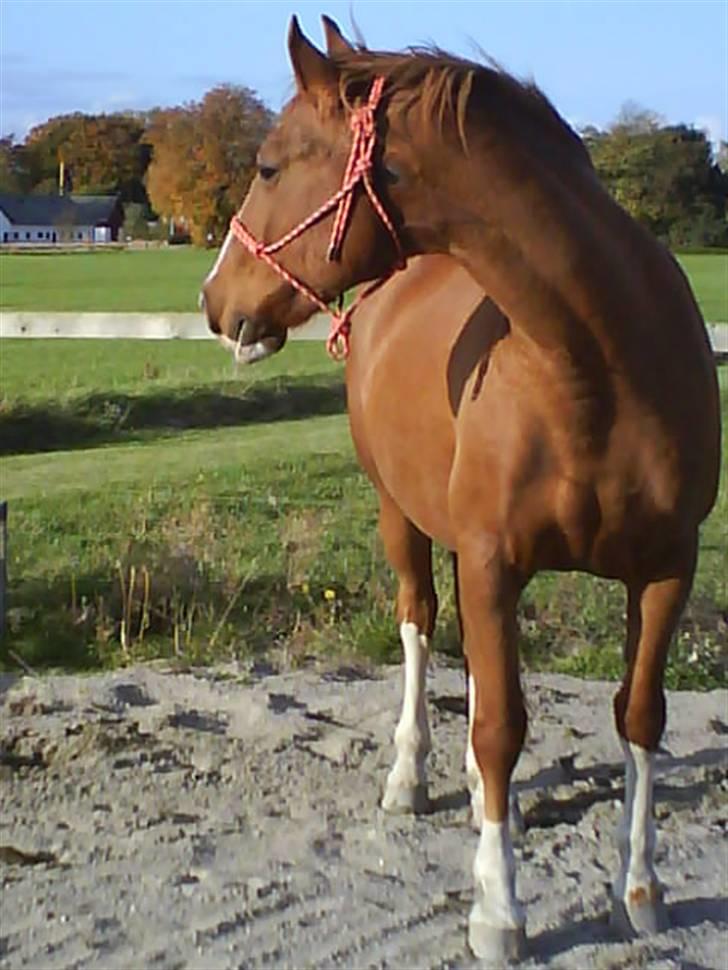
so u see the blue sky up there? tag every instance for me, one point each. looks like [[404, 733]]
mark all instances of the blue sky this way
[[590, 56]]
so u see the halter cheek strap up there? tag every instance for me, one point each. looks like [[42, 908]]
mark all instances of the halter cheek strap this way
[[358, 170]]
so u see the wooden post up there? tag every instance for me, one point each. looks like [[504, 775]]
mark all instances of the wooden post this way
[[3, 563]]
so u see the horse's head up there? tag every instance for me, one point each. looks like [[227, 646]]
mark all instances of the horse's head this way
[[302, 164]]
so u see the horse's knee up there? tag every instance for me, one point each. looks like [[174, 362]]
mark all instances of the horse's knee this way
[[640, 715], [417, 603], [497, 744], [496, 747]]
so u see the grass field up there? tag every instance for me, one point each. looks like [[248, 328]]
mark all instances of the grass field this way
[[169, 280], [163, 505], [153, 280]]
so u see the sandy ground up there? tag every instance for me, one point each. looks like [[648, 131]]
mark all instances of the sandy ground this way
[[229, 818]]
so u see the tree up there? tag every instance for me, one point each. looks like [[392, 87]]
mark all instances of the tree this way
[[101, 154], [664, 175], [203, 158], [11, 167]]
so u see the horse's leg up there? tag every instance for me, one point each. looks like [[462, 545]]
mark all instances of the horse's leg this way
[[488, 598], [653, 612], [472, 772], [410, 554]]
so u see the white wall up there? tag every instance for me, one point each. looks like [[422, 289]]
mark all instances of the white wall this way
[[15, 235], [7, 228]]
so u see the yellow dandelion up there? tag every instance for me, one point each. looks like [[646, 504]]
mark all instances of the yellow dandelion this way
[[304, 588], [329, 594]]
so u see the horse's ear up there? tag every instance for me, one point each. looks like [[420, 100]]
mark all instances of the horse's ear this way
[[312, 69], [336, 43]]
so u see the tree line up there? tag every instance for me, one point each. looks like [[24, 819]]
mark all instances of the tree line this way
[[192, 165]]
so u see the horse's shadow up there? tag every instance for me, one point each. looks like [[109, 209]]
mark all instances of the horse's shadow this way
[[547, 811], [681, 915]]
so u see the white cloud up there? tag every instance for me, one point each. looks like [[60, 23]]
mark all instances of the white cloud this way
[[713, 127]]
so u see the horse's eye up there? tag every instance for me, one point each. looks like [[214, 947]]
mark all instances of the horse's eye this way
[[267, 172]]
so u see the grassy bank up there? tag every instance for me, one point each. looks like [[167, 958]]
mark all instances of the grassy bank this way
[[168, 280], [163, 505]]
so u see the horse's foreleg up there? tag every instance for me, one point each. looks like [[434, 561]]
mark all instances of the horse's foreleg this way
[[488, 598], [410, 554], [654, 611], [472, 772], [475, 781]]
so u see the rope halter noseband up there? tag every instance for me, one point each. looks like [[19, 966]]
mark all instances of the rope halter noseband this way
[[358, 170]]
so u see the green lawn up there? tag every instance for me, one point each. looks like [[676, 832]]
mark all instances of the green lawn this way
[[708, 275], [169, 280], [162, 504], [153, 280]]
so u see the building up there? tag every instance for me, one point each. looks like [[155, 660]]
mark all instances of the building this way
[[48, 219]]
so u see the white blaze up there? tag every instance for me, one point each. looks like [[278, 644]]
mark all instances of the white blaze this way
[[220, 256]]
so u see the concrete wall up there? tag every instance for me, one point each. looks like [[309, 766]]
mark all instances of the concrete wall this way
[[140, 326], [182, 326]]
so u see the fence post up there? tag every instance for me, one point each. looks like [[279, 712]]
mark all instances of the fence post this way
[[3, 562]]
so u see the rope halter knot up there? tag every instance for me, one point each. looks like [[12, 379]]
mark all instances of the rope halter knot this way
[[358, 170]]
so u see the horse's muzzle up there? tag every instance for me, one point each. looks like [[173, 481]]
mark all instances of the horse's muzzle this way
[[253, 341]]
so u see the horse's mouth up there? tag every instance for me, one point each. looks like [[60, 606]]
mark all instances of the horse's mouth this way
[[251, 351]]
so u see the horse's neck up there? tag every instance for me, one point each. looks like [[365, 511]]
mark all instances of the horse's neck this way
[[536, 244]]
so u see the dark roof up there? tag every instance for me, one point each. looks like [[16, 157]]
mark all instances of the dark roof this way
[[59, 210]]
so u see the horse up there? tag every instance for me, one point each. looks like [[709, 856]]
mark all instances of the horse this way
[[584, 426]]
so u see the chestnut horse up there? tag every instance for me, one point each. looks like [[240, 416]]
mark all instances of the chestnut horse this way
[[578, 427]]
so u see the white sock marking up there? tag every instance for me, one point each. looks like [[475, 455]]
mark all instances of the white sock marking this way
[[636, 832], [494, 870], [472, 771], [412, 737]]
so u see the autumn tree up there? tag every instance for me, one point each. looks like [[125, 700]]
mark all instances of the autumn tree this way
[[101, 154], [12, 169], [203, 158]]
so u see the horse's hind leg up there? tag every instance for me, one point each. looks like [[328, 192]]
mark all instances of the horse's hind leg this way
[[653, 612], [409, 552]]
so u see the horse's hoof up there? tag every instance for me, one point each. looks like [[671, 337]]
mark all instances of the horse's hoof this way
[[406, 800], [643, 914], [496, 946]]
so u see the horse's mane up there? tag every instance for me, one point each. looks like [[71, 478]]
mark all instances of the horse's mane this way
[[456, 90]]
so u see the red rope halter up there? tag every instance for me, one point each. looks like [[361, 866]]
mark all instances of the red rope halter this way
[[358, 169]]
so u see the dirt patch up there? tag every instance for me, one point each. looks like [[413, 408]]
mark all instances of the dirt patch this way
[[229, 818]]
